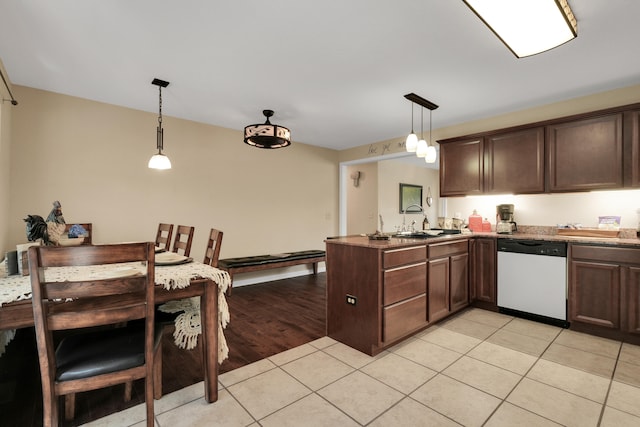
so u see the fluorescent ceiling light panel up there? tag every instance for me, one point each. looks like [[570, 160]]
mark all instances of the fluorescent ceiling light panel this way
[[527, 27]]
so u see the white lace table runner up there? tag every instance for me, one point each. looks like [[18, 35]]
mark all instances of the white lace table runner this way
[[18, 288]]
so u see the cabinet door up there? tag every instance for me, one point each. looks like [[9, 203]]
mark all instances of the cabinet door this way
[[459, 281], [438, 284], [632, 148], [461, 167], [594, 294], [483, 273], [632, 300], [514, 162], [585, 154]]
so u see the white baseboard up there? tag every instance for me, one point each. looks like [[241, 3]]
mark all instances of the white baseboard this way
[[244, 279]]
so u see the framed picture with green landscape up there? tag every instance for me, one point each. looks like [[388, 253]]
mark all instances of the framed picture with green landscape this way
[[410, 195]]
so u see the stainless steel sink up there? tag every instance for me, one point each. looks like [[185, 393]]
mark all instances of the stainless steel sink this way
[[424, 234]]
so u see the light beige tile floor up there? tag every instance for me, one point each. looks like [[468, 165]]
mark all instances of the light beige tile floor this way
[[476, 369]]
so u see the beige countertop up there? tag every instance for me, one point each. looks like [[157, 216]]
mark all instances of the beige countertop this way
[[358, 240]]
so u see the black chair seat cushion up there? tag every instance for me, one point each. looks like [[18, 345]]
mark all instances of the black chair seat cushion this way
[[101, 352], [268, 259]]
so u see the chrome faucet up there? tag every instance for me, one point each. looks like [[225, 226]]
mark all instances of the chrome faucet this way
[[404, 216]]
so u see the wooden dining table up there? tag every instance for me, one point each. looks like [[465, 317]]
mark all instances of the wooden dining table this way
[[19, 314]]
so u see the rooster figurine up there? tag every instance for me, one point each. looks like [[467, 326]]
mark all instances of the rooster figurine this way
[[48, 231]]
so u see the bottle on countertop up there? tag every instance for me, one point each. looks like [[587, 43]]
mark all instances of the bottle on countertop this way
[[425, 224], [486, 225], [475, 221]]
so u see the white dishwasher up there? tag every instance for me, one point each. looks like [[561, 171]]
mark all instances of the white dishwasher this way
[[532, 280]]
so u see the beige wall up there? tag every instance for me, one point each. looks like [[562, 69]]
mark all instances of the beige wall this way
[[393, 172], [93, 158], [362, 201], [5, 165]]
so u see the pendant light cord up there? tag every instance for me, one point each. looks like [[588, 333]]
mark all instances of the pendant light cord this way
[[430, 121], [160, 131], [412, 117], [422, 123], [160, 107]]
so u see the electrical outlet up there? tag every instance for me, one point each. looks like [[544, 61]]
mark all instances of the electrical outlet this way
[[351, 300]]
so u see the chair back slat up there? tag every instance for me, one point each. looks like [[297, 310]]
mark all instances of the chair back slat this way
[[183, 240], [65, 256], [97, 316], [94, 288]]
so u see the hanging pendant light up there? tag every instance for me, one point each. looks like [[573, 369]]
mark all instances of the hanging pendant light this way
[[267, 135], [159, 160], [424, 148], [421, 151], [411, 144], [431, 154]]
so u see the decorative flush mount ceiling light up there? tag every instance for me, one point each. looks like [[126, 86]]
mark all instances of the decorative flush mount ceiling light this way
[[159, 161], [423, 148], [267, 135], [527, 27]]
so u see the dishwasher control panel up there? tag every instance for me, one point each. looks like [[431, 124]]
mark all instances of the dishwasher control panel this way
[[533, 247]]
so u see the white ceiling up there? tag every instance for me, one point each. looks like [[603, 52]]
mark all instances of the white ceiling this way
[[334, 71]]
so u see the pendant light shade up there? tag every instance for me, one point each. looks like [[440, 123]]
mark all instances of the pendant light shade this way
[[159, 160], [431, 154], [267, 135], [527, 27], [421, 151], [411, 144]]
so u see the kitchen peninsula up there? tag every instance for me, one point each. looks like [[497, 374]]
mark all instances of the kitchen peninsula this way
[[381, 291]]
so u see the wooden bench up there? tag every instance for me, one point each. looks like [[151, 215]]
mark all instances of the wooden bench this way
[[265, 262]]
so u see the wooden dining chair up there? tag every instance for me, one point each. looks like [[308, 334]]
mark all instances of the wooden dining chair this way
[[212, 252], [88, 227], [163, 237], [93, 355], [183, 240]]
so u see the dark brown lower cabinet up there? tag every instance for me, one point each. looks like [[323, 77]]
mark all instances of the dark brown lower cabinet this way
[[376, 295], [448, 282], [483, 273], [604, 291], [595, 293], [632, 297], [439, 284], [383, 292]]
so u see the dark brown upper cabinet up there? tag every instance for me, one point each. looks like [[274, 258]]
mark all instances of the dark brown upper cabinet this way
[[589, 151], [514, 162], [632, 148], [585, 154], [462, 167]]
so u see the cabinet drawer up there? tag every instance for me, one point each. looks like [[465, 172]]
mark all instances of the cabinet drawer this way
[[439, 250], [601, 253], [404, 282], [395, 257], [404, 317]]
